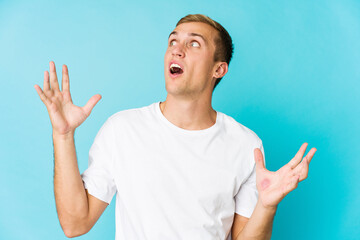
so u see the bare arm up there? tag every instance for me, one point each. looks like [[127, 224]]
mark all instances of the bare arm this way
[[259, 226], [238, 225], [77, 210]]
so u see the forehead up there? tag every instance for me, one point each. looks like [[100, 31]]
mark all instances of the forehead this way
[[205, 30]]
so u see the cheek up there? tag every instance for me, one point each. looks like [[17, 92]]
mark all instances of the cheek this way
[[200, 72], [166, 54], [166, 57], [205, 68]]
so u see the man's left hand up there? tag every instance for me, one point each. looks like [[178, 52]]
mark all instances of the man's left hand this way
[[274, 186]]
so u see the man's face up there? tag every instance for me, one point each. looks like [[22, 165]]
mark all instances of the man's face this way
[[189, 60]]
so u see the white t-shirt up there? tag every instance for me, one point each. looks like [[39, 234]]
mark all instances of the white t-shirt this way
[[172, 183]]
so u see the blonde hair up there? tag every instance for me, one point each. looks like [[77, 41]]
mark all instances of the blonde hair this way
[[224, 46]]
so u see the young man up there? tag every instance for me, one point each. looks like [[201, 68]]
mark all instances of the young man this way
[[180, 169]]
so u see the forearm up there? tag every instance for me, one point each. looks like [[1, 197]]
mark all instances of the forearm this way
[[70, 196], [259, 226]]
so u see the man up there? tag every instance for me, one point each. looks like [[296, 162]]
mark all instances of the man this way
[[180, 169]]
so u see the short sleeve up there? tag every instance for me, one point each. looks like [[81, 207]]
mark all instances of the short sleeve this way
[[98, 177], [246, 198]]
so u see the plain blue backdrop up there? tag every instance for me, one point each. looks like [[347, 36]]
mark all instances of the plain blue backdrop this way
[[294, 78]]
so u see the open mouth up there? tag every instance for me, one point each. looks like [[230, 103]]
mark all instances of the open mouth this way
[[175, 69]]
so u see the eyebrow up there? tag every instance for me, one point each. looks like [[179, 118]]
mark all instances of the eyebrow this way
[[190, 34]]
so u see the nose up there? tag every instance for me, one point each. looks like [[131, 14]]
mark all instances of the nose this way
[[178, 51]]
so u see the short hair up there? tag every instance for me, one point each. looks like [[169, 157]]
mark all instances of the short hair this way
[[224, 46]]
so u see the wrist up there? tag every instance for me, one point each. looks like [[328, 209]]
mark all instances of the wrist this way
[[271, 209], [63, 136]]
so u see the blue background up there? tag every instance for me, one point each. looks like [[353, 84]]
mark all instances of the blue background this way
[[294, 78]]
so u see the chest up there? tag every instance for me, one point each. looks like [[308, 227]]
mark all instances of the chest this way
[[163, 166]]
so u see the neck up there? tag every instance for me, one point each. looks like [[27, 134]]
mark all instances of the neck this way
[[189, 114]]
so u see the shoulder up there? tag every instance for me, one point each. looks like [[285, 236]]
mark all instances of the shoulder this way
[[239, 131], [131, 119], [125, 121], [129, 115]]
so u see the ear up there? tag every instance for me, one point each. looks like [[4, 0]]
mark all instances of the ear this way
[[221, 70]]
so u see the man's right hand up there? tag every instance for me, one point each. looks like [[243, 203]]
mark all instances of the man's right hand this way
[[77, 209], [65, 117]]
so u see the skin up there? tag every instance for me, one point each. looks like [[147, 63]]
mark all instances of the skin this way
[[272, 188], [188, 106], [77, 210], [188, 101]]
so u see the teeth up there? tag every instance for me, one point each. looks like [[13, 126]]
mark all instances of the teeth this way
[[175, 65]]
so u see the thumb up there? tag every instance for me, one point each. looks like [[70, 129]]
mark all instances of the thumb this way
[[91, 104], [259, 159]]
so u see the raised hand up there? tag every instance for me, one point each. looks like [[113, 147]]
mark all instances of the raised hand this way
[[274, 186], [65, 117]]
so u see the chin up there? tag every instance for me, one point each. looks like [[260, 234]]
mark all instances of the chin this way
[[176, 86], [174, 90]]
